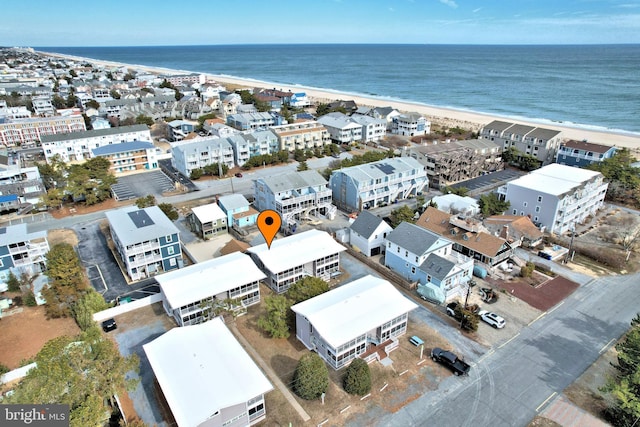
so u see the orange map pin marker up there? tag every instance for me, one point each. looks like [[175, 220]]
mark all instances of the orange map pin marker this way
[[269, 223]]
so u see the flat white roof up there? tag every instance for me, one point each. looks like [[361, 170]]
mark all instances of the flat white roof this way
[[203, 369], [209, 213], [555, 179], [133, 225], [297, 249], [354, 309], [204, 279]]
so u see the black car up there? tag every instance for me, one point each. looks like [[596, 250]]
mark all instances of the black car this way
[[451, 361], [109, 325]]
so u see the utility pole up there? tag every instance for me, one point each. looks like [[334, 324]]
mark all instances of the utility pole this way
[[573, 234]]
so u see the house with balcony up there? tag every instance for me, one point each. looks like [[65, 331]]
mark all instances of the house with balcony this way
[[128, 157], [367, 234], [448, 162], [515, 228], [179, 129], [197, 153], [582, 153], [262, 142], [342, 129], [147, 242], [470, 238], [360, 319], [296, 196], [28, 131], [556, 197], [240, 213], [377, 184], [301, 135], [300, 100], [456, 205], [541, 143], [206, 378], [410, 124], [194, 294], [311, 253], [250, 121], [208, 221], [385, 113], [21, 251], [22, 184], [78, 146], [373, 129]]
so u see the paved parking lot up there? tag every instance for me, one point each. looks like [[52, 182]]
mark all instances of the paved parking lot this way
[[142, 184], [490, 181]]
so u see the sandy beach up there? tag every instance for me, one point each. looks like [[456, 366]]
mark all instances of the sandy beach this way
[[437, 115]]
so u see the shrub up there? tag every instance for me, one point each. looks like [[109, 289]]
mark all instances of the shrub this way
[[527, 270], [13, 283], [3, 369], [311, 377], [29, 299], [357, 378]]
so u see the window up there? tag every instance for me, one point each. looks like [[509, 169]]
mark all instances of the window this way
[[398, 250], [172, 262], [537, 208], [524, 204], [515, 212], [169, 238], [413, 270], [535, 218], [521, 212], [539, 199], [171, 250], [406, 254], [416, 259]]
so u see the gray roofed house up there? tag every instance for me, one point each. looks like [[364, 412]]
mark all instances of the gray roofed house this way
[[367, 233], [93, 133], [498, 126], [146, 240], [437, 266], [415, 239]]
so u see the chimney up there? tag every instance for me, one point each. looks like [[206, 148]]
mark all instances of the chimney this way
[[505, 232]]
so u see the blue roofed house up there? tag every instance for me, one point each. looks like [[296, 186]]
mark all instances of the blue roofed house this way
[[424, 257], [129, 156], [367, 234], [9, 202], [21, 251], [239, 212], [146, 240]]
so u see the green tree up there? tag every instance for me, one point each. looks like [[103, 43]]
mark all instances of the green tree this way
[[357, 378], [490, 204], [84, 309], [29, 299], [460, 191], [67, 280], [306, 288], [178, 95], [298, 155], [71, 101], [468, 319], [53, 173], [144, 120], [84, 372], [205, 117], [91, 180], [169, 210], [166, 84], [115, 94], [53, 198], [527, 270], [13, 283], [274, 321], [529, 162], [58, 102], [511, 155], [402, 214], [73, 73], [302, 166], [311, 377], [92, 103], [196, 174], [129, 76], [145, 202]]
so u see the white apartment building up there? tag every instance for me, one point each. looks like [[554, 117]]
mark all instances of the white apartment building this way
[[301, 136], [372, 129], [556, 196], [312, 253], [378, 183], [200, 152], [342, 129], [27, 131], [295, 196], [190, 294], [21, 251], [77, 146], [410, 124], [541, 143]]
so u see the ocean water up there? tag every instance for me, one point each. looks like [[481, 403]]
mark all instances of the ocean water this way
[[592, 86]]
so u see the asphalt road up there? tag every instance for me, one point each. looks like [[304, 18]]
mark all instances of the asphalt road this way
[[512, 384]]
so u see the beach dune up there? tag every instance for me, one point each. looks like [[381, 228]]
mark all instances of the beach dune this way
[[446, 117]]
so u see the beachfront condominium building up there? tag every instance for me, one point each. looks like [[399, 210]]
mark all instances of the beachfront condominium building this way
[[250, 121], [196, 293], [294, 195], [342, 129], [31, 131], [146, 240], [410, 124], [21, 251], [378, 183], [448, 162], [128, 157], [541, 143], [302, 135], [363, 318], [200, 152], [206, 377], [77, 146], [311, 253], [556, 196], [582, 153], [23, 184], [373, 129], [207, 221], [255, 143]]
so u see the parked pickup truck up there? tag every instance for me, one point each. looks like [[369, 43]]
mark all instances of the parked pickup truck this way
[[450, 360]]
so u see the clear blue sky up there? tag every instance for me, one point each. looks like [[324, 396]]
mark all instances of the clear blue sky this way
[[144, 22]]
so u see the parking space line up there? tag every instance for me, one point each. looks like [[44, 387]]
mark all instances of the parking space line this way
[[509, 340], [554, 308], [604, 348], [545, 401], [537, 318]]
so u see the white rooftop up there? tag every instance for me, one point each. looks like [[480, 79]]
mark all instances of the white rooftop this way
[[354, 309], [134, 225], [554, 179], [203, 369], [204, 279], [18, 233], [209, 213], [296, 250]]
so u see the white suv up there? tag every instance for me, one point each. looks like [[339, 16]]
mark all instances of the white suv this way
[[492, 319]]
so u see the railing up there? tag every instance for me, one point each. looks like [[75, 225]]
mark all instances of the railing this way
[[394, 344]]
